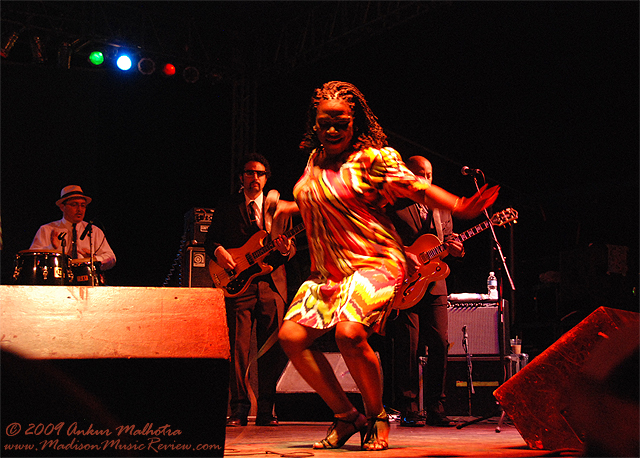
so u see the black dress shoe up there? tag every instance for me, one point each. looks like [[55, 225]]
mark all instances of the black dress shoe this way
[[439, 420], [411, 420], [266, 420], [235, 421]]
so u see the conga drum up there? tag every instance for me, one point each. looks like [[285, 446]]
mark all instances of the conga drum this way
[[81, 269], [39, 267]]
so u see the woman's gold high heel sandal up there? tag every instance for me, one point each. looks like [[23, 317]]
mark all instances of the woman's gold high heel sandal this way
[[372, 441], [344, 426]]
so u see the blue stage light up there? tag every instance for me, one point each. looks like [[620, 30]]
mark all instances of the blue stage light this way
[[124, 62]]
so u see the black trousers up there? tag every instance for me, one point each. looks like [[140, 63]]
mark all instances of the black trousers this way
[[424, 324], [260, 306]]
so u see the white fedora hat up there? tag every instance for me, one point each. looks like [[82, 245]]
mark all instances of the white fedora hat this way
[[72, 191]]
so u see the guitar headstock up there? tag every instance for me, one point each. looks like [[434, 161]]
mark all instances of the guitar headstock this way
[[504, 217]]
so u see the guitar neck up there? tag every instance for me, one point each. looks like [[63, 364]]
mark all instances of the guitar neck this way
[[270, 246], [475, 230]]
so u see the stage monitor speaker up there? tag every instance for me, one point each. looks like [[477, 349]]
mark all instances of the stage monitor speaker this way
[[539, 399], [195, 268], [115, 406], [482, 324]]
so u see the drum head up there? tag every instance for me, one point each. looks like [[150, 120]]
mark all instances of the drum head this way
[[27, 252]]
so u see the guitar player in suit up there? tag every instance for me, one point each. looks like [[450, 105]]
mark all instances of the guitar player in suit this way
[[426, 323], [263, 302]]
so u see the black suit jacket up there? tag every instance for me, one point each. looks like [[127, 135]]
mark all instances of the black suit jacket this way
[[405, 216], [231, 228]]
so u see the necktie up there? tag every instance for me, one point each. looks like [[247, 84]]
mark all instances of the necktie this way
[[74, 243], [253, 213], [424, 215]]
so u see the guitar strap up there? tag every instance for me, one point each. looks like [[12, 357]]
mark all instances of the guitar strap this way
[[269, 205], [437, 222]]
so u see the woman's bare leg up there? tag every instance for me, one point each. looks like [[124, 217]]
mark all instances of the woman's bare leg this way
[[364, 367], [313, 366]]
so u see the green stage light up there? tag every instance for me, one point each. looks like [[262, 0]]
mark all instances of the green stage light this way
[[96, 58]]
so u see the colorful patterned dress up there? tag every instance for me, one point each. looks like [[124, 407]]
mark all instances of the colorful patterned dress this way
[[357, 259]]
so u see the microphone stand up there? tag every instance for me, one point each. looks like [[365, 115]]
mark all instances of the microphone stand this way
[[89, 231], [91, 255], [465, 346], [63, 244], [493, 234], [513, 288]]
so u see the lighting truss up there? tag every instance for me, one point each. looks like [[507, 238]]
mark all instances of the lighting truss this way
[[62, 34]]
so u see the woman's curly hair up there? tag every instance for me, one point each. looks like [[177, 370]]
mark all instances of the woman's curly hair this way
[[367, 131]]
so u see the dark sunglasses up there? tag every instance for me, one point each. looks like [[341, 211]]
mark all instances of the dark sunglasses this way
[[250, 173]]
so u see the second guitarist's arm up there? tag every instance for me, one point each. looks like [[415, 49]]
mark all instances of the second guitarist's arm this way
[[278, 257], [228, 230]]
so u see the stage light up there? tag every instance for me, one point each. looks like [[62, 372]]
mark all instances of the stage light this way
[[191, 74], [96, 58], [8, 45], [64, 56], [213, 77], [169, 69], [146, 66], [37, 50], [124, 62]]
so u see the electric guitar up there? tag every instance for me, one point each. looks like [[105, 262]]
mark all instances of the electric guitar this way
[[249, 263], [430, 252]]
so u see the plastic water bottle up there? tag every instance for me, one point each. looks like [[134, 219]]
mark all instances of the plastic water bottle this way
[[492, 286]]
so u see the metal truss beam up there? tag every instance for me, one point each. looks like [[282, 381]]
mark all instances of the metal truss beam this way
[[331, 28], [326, 29]]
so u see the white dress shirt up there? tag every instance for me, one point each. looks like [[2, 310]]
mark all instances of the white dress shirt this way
[[258, 201], [102, 250]]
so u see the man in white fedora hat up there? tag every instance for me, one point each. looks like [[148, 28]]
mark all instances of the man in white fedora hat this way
[[73, 203]]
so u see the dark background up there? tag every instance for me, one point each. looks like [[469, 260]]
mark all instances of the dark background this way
[[541, 96]]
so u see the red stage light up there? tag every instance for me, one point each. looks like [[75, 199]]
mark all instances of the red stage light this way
[[169, 69]]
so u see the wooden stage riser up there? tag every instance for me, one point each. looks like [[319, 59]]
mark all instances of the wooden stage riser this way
[[113, 322]]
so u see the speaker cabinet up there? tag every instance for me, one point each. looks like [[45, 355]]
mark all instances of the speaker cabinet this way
[[487, 373], [538, 398], [195, 268]]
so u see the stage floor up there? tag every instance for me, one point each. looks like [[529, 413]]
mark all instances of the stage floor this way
[[294, 439]]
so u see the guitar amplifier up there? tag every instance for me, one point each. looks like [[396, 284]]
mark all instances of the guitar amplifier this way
[[196, 225], [483, 324]]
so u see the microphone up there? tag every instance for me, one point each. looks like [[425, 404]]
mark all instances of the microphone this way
[[62, 235], [470, 172], [86, 230]]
